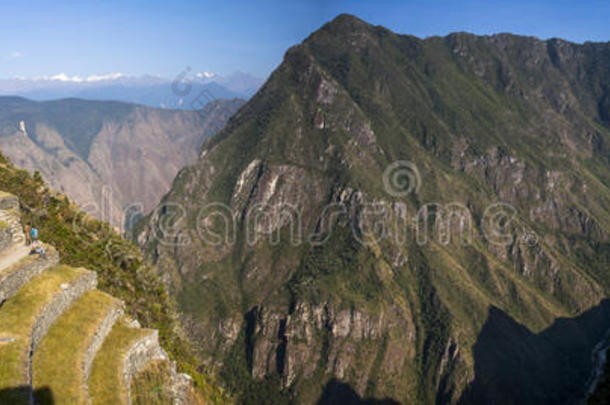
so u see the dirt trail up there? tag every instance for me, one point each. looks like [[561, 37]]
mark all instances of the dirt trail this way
[[13, 255]]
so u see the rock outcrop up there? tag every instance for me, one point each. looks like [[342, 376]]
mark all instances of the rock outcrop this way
[[141, 353], [11, 232]]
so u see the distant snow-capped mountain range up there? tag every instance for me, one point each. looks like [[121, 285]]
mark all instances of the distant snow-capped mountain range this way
[[188, 90]]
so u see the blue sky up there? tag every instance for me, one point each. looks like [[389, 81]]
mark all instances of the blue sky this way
[[136, 37]]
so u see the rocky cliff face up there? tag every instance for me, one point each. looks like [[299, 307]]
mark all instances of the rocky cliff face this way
[[397, 218], [107, 156]]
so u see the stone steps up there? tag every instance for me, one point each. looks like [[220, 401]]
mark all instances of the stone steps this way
[[17, 274], [63, 359], [61, 340], [126, 351], [27, 316]]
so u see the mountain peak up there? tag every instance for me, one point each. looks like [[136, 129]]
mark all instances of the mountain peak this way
[[344, 24], [345, 19]]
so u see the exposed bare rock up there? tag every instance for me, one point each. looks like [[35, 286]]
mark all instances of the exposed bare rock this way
[[393, 294], [132, 155]]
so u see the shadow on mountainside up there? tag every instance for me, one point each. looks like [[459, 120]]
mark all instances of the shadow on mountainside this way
[[20, 395], [515, 366], [337, 392]]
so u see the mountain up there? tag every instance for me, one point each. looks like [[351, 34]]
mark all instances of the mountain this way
[[99, 327], [185, 92], [107, 156], [397, 220]]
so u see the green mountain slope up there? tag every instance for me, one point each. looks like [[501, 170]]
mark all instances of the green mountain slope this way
[[376, 310], [82, 241]]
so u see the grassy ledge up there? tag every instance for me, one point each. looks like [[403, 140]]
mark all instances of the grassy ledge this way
[[106, 384], [59, 361], [18, 316], [150, 386]]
